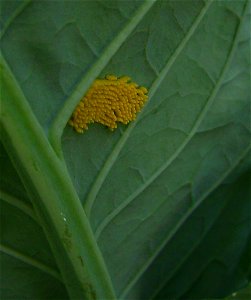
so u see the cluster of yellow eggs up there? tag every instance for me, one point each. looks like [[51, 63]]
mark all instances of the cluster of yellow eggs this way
[[109, 101]]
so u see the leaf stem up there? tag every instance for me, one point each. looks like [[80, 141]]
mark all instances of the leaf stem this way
[[30, 261], [64, 114], [53, 196]]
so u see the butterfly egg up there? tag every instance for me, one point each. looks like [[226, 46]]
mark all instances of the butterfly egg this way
[[109, 101]]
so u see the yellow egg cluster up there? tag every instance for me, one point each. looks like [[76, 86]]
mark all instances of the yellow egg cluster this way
[[109, 101]]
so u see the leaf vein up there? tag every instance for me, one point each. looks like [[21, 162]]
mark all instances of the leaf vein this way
[[17, 12], [17, 203], [124, 137], [182, 221], [30, 261], [56, 130], [196, 125]]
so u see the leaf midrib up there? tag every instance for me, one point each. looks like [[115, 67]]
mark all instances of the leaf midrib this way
[[52, 194]]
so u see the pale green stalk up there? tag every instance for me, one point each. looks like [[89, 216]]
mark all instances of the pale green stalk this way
[[53, 196]]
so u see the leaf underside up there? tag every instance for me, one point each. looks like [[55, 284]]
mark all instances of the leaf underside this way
[[168, 196]]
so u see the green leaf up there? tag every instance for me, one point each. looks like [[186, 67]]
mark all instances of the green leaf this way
[[158, 209], [242, 294]]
